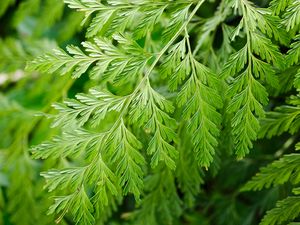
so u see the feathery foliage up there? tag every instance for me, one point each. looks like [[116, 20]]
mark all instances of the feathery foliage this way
[[284, 118], [176, 92]]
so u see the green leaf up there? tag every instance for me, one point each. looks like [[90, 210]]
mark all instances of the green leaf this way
[[285, 210], [91, 107], [72, 142], [292, 16], [123, 147], [149, 109], [78, 203], [279, 172], [282, 119], [105, 60]]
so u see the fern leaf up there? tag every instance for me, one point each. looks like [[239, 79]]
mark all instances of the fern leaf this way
[[150, 17], [79, 203], [278, 172], [124, 148], [149, 109], [91, 107], [249, 66], [285, 210], [71, 177], [200, 109], [115, 16], [278, 6], [177, 20], [111, 162], [71, 142], [103, 57], [292, 16], [293, 55], [200, 106], [284, 118]]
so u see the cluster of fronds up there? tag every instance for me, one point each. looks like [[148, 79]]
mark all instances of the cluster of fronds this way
[[284, 118], [164, 102]]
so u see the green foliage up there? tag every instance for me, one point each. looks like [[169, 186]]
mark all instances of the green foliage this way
[[252, 63], [291, 17], [109, 62], [282, 119], [279, 172], [286, 209], [176, 92]]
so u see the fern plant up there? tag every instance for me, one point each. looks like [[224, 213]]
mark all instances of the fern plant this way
[[152, 103], [284, 118]]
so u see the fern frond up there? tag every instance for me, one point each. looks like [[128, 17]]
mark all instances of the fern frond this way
[[71, 142], [201, 101], [105, 187], [292, 16], [106, 60], [91, 107], [293, 55], [250, 66], [198, 97], [123, 148], [79, 203], [284, 118], [210, 26], [95, 174], [71, 177], [115, 16], [279, 172], [278, 6], [112, 162], [174, 87], [178, 19], [149, 108], [150, 17], [285, 210]]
